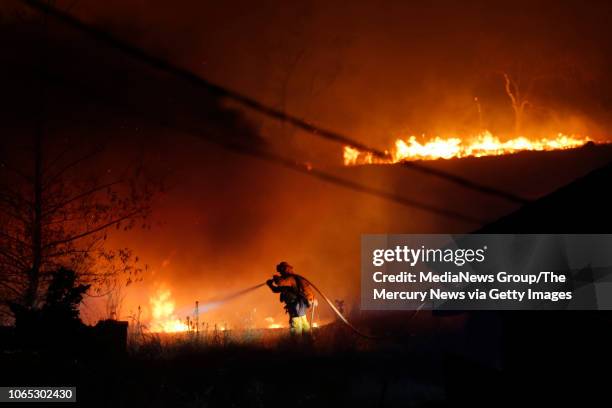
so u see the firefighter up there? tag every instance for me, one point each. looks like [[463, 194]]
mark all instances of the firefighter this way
[[296, 294]]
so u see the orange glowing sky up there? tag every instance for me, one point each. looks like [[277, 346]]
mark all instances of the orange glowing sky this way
[[377, 74]]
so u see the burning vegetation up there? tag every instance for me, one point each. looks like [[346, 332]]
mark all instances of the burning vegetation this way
[[163, 317], [484, 144]]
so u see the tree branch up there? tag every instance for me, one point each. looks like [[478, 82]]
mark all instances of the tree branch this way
[[12, 289], [70, 165], [12, 238], [57, 158], [95, 230], [16, 171], [14, 259], [14, 215], [508, 84], [80, 196]]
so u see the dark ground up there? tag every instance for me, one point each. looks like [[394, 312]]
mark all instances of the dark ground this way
[[536, 357]]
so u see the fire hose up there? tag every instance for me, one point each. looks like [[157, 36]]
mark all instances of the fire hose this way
[[214, 304], [336, 311], [344, 319], [217, 303]]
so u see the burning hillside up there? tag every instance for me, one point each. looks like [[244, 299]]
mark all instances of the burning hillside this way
[[484, 144]]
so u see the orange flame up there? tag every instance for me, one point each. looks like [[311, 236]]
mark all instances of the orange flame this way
[[162, 313], [272, 324], [484, 144]]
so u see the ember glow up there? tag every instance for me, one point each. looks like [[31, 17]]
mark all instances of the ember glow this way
[[484, 144], [163, 318]]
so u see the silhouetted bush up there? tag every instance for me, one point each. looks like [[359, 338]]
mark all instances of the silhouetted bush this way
[[56, 323]]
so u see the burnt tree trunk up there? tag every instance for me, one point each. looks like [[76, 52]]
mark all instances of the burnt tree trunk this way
[[519, 103]]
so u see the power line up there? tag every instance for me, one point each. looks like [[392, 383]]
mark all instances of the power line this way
[[275, 158], [185, 74], [322, 175]]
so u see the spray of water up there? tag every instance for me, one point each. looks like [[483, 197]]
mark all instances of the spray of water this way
[[215, 303]]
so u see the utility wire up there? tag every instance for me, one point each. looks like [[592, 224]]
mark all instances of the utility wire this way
[[272, 157], [185, 74]]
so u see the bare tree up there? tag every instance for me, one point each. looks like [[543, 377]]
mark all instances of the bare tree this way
[[524, 87], [528, 77], [60, 193], [57, 206], [519, 99]]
